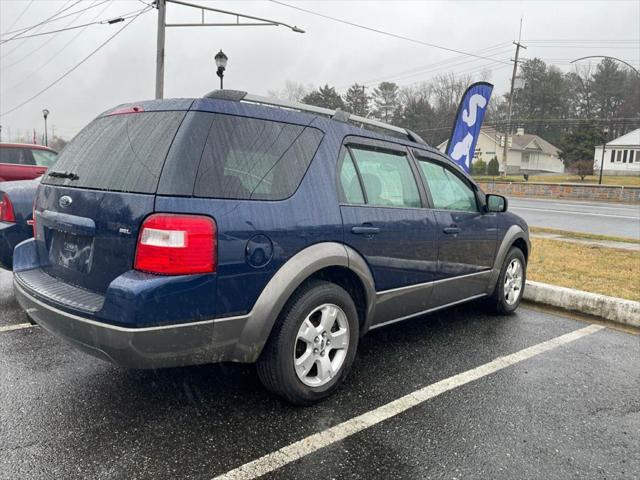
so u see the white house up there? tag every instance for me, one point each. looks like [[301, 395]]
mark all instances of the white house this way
[[621, 155], [527, 153]]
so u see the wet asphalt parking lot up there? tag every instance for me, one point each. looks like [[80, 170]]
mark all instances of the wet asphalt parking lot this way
[[562, 401]]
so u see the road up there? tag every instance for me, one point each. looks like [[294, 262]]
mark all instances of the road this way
[[561, 402], [616, 219]]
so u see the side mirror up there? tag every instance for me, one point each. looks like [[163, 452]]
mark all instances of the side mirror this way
[[496, 203]]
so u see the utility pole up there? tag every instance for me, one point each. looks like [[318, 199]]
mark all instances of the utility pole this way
[[161, 5], [513, 81], [604, 147]]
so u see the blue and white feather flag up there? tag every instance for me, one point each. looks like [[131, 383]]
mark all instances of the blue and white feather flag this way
[[466, 128]]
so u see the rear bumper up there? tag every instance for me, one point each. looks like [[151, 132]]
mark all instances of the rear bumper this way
[[151, 347]]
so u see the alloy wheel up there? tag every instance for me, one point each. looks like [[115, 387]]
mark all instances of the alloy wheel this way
[[513, 280], [321, 345]]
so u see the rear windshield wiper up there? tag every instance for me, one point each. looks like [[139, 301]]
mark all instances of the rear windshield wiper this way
[[69, 175]]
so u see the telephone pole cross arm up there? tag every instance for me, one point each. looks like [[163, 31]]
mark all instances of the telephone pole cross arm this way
[[161, 6]]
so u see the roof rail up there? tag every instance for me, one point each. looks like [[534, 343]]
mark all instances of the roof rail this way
[[339, 115]]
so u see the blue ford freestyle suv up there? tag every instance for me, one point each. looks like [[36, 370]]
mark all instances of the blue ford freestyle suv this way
[[238, 228]]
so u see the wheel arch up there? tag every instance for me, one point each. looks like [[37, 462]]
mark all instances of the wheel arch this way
[[329, 260], [514, 236], [522, 245]]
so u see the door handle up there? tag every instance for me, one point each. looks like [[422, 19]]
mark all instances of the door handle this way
[[451, 230], [365, 230]]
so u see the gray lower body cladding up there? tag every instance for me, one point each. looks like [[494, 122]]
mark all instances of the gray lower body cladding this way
[[155, 347]]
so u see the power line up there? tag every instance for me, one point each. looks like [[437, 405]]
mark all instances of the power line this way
[[55, 17], [584, 46], [110, 21], [17, 46], [39, 47], [55, 55], [585, 40], [450, 62], [44, 21], [144, 10], [382, 32], [100, 22], [575, 122], [20, 16], [447, 66]]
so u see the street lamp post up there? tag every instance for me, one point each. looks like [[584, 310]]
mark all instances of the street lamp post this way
[[45, 114], [604, 147], [221, 63]]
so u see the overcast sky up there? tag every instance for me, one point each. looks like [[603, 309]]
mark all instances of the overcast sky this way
[[263, 58]]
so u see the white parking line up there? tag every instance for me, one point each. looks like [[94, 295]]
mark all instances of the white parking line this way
[[18, 326], [319, 440]]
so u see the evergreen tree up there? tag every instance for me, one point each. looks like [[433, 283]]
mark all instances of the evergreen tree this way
[[326, 97], [609, 82], [385, 99], [578, 145], [493, 167], [356, 100]]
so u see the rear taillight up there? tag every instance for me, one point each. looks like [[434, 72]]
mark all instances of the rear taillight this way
[[6, 209], [171, 244]]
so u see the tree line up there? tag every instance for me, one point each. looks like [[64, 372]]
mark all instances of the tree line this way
[[569, 110]]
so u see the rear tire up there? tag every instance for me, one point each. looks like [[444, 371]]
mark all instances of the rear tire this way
[[312, 345], [509, 289]]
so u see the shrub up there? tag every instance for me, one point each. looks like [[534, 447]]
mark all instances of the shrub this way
[[582, 168], [493, 168], [478, 167]]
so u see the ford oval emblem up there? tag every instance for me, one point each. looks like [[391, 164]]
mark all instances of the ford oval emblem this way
[[65, 201]]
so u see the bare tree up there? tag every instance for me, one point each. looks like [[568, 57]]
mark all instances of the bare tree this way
[[292, 91]]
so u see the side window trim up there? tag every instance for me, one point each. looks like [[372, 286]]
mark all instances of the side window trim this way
[[342, 156], [424, 157], [358, 174]]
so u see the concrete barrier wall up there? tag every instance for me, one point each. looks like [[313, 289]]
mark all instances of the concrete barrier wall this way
[[564, 190]]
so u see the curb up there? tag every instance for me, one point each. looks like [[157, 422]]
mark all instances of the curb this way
[[626, 312]]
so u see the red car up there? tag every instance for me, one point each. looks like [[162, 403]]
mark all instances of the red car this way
[[21, 161]]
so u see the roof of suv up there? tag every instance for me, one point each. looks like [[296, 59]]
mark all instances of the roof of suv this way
[[244, 104]]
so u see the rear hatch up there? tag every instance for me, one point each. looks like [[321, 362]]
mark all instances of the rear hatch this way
[[91, 204]]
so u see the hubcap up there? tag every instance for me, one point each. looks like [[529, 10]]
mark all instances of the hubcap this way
[[321, 345], [513, 282]]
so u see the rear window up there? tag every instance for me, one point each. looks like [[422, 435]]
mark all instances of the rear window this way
[[123, 153], [18, 156], [247, 158]]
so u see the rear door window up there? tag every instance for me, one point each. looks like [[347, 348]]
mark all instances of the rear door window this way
[[18, 156], [123, 153], [387, 178], [248, 158]]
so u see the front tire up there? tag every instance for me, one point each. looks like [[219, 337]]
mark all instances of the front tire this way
[[508, 292], [312, 345]]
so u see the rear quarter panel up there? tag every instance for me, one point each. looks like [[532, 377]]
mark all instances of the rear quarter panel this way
[[311, 215]]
